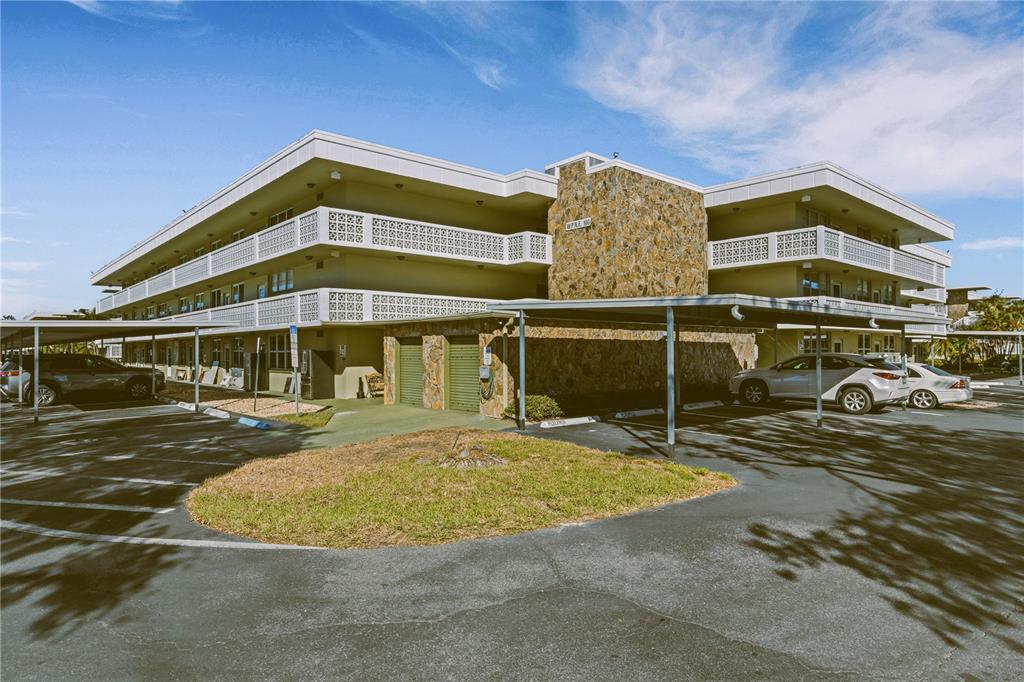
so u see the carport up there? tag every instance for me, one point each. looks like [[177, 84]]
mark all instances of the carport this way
[[981, 334], [726, 311], [21, 335]]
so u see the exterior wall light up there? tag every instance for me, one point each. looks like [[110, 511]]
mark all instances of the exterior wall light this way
[[807, 265], [335, 175], [805, 198]]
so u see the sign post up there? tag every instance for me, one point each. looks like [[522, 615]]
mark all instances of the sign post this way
[[256, 377], [294, 333]]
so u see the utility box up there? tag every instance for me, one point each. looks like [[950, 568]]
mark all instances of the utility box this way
[[251, 377]]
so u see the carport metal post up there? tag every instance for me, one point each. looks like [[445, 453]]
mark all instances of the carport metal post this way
[[21, 371], [195, 367], [903, 358], [776, 343], [670, 378], [152, 362], [35, 375], [522, 371], [1020, 359], [817, 367]]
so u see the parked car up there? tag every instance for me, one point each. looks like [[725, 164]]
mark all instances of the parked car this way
[[932, 386], [65, 374], [856, 383]]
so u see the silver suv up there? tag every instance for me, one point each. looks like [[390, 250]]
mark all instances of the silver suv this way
[[854, 382], [65, 374]]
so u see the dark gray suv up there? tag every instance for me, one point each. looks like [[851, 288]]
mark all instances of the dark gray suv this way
[[66, 374]]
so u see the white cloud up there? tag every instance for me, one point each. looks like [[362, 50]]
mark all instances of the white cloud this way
[[163, 10], [18, 266], [5, 239], [490, 72], [900, 99], [994, 243], [14, 213]]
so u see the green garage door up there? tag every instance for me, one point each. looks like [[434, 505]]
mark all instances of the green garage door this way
[[410, 371], [463, 375]]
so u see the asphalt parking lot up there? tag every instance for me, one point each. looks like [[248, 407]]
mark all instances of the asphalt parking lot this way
[[887, 545]]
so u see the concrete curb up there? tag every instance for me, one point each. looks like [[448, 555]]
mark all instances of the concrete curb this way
[[214, 412], [555, 423], [639, 413], [702, 405], [255, 423]]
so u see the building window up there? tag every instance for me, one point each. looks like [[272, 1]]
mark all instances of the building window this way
[[837, 346], [808, 344], [261, 291], [808, 217], [164, 309], [162, 268], [200, 301], [216, 298], [863, 290], [237, 234], [238, 353], [280, 217], [185, 352], [238, 292], [200, 251], [215, 353], [837, 289], [863, 343], [279, 352], [812, 283], [216, 244], [150, 312], [184, 305], [889, 341], [282, 281]]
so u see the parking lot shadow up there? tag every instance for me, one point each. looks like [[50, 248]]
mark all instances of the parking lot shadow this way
[[106, 477], [939, 522]]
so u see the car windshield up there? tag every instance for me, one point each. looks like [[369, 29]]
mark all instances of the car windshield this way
[[936, 370], [881, 363]]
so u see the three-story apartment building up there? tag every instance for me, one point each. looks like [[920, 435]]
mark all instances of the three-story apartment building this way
[[386, 260]]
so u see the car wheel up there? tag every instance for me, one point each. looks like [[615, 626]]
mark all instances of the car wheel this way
[[754, 393], [47, 395], [855, 400], [138, 389], [924, 400]]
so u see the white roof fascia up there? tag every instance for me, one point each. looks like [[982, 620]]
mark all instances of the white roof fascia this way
[[605, 163], [825, 173], [333, 147]]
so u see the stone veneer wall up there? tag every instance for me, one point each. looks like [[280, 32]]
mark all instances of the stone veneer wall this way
[[648, 237], [576, 361]]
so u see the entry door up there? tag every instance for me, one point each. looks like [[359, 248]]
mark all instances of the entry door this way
[[463, 374], [410, 371]]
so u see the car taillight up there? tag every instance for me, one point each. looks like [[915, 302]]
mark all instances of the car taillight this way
[[10, 373], [959, 383], [888, 376]]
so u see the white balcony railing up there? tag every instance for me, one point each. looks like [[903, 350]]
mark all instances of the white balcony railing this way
[[822, 242], [939, 312], [339, 227], [934, 294], [314, 306]]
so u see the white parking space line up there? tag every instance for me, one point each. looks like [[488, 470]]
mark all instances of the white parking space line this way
[[87, 505], [49, 473], [135, 540]]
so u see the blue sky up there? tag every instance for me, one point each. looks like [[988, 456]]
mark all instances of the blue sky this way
[[118, 116]]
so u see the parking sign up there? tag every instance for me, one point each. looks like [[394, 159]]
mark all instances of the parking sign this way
[[294, 331]]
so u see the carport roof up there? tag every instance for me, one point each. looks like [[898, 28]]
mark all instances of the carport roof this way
[[716, 310], [69, 331]]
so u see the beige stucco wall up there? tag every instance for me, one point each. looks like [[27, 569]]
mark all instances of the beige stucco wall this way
[[728, 224], [781, 280], [648, 237]]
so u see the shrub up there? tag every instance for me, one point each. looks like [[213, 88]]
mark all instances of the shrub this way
[[538, 408]]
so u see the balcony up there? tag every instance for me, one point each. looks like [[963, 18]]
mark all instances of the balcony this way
[[825, 243], [938, 328], [338, 227], [316, 306]]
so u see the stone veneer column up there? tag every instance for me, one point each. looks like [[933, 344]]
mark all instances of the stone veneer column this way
[[390, 352], [433, 371], [648, 236]]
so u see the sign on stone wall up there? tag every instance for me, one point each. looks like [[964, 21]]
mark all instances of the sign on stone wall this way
[[579, 224]]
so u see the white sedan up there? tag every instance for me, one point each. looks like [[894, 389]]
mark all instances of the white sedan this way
[[931, 386], [854, 382]]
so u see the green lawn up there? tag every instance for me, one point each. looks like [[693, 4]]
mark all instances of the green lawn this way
[[393, 492], [308, 419]]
